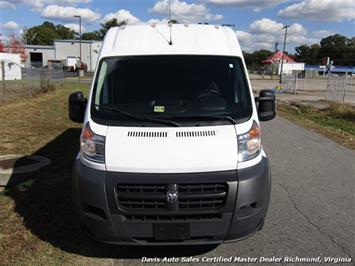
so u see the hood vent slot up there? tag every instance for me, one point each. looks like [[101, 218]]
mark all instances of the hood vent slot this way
[[192, 134], [146, 134]]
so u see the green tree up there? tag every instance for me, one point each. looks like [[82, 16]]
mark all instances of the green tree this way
[[308, 54], [254, 60], [93, 35], [109, 24], [46, 33], [339, 48]]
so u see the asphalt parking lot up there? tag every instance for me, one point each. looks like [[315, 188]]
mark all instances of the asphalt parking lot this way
[[311, 212]]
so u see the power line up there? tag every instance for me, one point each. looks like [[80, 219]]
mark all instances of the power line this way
[[283, 52]]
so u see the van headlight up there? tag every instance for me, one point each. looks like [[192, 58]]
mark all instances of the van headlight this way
[[249, 144], [92, 146]]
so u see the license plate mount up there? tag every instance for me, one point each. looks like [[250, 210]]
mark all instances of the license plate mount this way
[[171, 231]]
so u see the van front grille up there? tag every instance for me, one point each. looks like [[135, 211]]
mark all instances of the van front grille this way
[[153, 197]]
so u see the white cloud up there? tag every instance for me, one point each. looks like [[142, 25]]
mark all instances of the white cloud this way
[[40, 4], [185, 12], [158, 21], [268, 26], [62, 13], [325, 10], [10, 25], [75, 27], [6, 4], [297, 29], [256, 4], [264, 33], [265, 25], [244, 36], [122, 15], [322, 33], [126, 15]]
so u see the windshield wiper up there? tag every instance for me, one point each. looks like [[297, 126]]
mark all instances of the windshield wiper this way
[[138, 117], [211, 117]]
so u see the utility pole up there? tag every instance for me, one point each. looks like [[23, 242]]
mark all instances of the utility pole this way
[[79, 44], [283, 52]]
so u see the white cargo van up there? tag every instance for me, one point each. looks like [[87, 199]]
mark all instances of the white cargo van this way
[[171, 148]]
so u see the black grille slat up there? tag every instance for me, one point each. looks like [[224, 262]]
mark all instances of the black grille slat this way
[[140, 188], [141, 196], [203, 196]]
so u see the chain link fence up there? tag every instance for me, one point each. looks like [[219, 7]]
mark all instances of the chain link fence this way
[[34, 81], [341, 88], [290, 83]]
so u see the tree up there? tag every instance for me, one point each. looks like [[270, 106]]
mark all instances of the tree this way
[[94, 35], [109, 24], [339, 48], [308, 54], [65, 32], [16, 47], [254, 60], [46, 33]]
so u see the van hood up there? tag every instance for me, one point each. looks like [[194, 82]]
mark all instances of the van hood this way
[[171, 150]]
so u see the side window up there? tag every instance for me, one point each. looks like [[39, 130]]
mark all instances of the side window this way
[[101, 87], [240, 85]]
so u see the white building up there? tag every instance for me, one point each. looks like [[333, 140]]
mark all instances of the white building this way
[[289, 68], [38, 55], [12, 66]]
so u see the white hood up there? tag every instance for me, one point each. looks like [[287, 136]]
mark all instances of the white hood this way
[[171, 150]]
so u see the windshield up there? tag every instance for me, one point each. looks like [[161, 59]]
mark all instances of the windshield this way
[[170, 87]]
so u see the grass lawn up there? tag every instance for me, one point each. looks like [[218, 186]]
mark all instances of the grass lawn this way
[[38, 225], [337, 121], [15, 89]]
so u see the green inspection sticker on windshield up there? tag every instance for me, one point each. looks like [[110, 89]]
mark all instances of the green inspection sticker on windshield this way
[[159, 109]]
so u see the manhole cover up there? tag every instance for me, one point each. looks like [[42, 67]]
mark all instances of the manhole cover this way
[[15, 168]]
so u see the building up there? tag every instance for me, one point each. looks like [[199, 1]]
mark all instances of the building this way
[[39, 55], [12, 66], [273, 64]]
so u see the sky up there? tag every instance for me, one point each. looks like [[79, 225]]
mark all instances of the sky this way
[[258, 24]]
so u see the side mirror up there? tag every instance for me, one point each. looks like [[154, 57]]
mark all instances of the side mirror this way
[[266, 105], [77, 106]]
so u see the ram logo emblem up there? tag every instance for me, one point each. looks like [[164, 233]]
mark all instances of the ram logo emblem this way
[[171, 196]]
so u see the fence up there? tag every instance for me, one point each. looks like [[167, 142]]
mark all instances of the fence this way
[[290, 83], [341, 88], [34, 80], [333, 87]]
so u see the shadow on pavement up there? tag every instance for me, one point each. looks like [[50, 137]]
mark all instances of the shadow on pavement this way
[[45, 203]]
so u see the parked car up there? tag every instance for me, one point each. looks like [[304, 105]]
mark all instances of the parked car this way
[[171, 150]]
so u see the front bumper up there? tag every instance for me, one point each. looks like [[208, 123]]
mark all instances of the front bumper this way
[[243, 212]]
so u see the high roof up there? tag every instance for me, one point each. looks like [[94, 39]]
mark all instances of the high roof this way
[[187, 39]]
